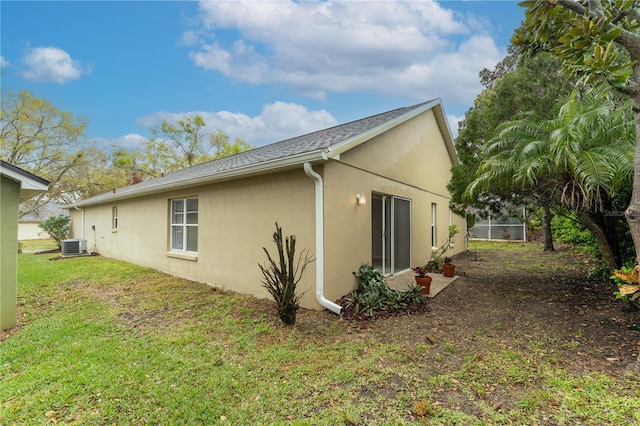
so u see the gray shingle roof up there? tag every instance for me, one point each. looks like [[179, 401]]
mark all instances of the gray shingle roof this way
[[321, 140]]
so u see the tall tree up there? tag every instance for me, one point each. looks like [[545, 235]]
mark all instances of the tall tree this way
[[185, 144], [516, 85], [174, 147], [41, 139], [581, 160], [596, 40], [92, 175]]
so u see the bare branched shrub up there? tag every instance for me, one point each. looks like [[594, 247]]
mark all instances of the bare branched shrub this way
[[282, 277]]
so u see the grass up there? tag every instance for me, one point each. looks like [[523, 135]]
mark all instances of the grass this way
[[38, 244], [106, 342]]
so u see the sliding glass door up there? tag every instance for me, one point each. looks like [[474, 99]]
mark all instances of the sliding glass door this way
[[390, 233]]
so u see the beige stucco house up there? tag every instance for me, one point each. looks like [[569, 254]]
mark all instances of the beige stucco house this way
[[16, 186], [369, 191], [29, 225]]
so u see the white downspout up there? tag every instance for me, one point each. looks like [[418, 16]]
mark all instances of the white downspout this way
[[320, 241], [82, 210]]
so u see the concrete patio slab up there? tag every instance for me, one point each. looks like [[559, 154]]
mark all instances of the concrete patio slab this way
[[403, 280]]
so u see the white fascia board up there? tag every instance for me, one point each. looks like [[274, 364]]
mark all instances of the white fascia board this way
[[445, 129], [245, 171], [26, 182], [29, 187]]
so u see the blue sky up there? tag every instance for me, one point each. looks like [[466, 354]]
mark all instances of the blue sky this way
[[262, 71]]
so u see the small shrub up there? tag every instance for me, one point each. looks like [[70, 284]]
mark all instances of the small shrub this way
[[58, 228], [374, 294], [19, 247], [626, 279], [282, 277]]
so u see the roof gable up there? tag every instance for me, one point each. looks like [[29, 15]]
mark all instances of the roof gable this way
[[321, 145]]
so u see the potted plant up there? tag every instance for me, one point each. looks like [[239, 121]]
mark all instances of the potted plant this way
[[438, 260], [423, 279], [447, 267]]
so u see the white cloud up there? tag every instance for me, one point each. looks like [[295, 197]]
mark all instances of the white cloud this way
[[3, 62], [414, 49], [52, 65], [277, 121], [454, 122], [190, 38]]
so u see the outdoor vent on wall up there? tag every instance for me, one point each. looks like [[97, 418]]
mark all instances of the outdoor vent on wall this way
[[75, 246]]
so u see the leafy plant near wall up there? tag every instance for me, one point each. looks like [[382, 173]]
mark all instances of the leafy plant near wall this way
[[58, 228], [282, 277], [374, 294]]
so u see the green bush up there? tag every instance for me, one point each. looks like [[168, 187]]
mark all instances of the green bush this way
[[569, 230], [374, 294], [58, 228]]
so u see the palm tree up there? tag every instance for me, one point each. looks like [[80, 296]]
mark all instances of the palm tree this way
[[579, 160]]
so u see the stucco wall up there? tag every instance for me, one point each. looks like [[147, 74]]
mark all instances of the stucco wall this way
[[9, 200], [409, 161], [31, 231], [413, 153], [235, 220]]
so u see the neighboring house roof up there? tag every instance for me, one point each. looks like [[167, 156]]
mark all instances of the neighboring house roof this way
[[46, 211], [322, 145], [30, 184]]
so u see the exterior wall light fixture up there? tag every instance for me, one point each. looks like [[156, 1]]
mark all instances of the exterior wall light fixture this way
[[361, 199]]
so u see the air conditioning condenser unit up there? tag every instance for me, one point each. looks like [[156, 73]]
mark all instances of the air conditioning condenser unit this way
[[73, 246]]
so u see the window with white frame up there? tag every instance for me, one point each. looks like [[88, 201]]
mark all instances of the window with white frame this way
[[114, 218], [184, 225]]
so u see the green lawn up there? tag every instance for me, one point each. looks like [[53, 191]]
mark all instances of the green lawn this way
[[38, 244], [105, 342]]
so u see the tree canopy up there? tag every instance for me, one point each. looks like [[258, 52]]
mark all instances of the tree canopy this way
[[42, 139], [596, 40], [51, 143], [517, 85], [174, 147], [581, 160]]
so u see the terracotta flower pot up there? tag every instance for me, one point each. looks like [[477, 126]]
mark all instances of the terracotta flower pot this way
[[425, 283], [447, 269]]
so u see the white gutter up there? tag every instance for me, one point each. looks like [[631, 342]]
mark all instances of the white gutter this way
[[320, 241], [82, 210]]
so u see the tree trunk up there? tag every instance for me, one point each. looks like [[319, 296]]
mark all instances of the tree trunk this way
[[546, 229], [608, 256], [610, 227], [633, 211]]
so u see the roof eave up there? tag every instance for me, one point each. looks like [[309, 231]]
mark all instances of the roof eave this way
[[30, 184], [245, 171]]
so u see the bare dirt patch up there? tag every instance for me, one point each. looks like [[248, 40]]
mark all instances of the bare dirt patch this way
[[516, 296]]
